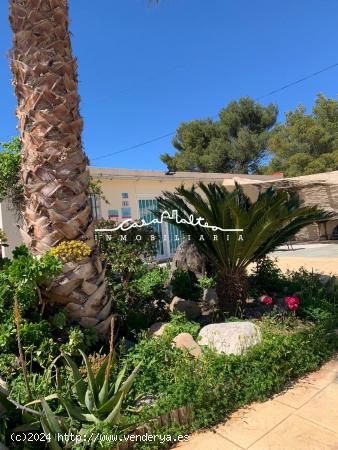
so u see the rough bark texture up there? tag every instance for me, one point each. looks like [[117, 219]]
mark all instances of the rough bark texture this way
[[54, 166], [231, 290]]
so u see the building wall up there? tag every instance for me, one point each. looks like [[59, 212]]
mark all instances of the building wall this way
[[8, 223], [136, 190], [319, 189], [115, 191], [140, 184], [314, 190]]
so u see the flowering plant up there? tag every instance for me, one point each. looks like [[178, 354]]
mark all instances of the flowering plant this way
[[292, 303], [68, 251], [266, 300]]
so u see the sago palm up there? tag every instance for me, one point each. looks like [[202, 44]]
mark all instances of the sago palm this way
[[53, 165], [272, 220]]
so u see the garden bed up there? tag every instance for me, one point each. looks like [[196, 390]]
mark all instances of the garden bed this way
[[219, 384], [295, 312]]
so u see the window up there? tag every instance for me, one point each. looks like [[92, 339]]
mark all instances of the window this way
[[95, 204], [126, 213], [125, 203], [124, 194], [113, 213]]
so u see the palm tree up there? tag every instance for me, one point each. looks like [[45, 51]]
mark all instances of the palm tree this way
[[53, 165], [267, 223]]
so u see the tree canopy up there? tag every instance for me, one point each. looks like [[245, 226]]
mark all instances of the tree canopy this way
[[235, 143], [306, 143], [246, 135]]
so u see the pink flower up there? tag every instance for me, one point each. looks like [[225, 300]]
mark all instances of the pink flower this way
[[292, 303], [267, 300]]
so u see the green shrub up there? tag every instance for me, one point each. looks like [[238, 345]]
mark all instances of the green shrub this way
[[79, 339], [206, 282], [267, 277], [151, 284], [8, 365], [7, 336], [183, 285], [141, 302], [123, 251], [319, 299], [23, 276], [35, 333], [59, 319]]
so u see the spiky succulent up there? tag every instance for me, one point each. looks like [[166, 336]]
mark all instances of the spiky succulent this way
[[97, 398]]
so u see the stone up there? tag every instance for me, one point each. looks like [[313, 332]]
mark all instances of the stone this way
[[157, 329], [231, 337], [188, 307], [210, 297], [185, 340], [188, 258], [3, 387], [147, 399]]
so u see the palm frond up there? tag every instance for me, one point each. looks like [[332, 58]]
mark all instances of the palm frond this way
[[272, 220]]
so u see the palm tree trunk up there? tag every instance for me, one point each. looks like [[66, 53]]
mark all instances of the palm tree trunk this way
[[231, 288], [54, 167]]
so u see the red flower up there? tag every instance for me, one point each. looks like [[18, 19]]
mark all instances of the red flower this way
[[292, 303], [267, 300]]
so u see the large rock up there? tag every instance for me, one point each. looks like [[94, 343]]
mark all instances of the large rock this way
[[231, 337], [188, 258], [186, 341], [157, 329], [188, 307], [210, 297]]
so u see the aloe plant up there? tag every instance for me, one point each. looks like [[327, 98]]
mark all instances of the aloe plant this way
[[98, 399], [53, 426]]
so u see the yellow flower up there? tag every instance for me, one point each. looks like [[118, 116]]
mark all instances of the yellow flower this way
[[71, 251], [3, 237]]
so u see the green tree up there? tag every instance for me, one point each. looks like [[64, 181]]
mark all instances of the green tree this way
[[235, 143], [267, 223], [306, 143], [10, 184]]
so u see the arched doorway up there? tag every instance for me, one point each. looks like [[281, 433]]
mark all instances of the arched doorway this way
[[334, 234]]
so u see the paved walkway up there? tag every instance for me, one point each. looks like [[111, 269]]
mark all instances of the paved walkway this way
[[319, 257], [312, 250], [305, 417]]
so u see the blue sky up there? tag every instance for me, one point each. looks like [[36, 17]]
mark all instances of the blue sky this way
[[144, 69]]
